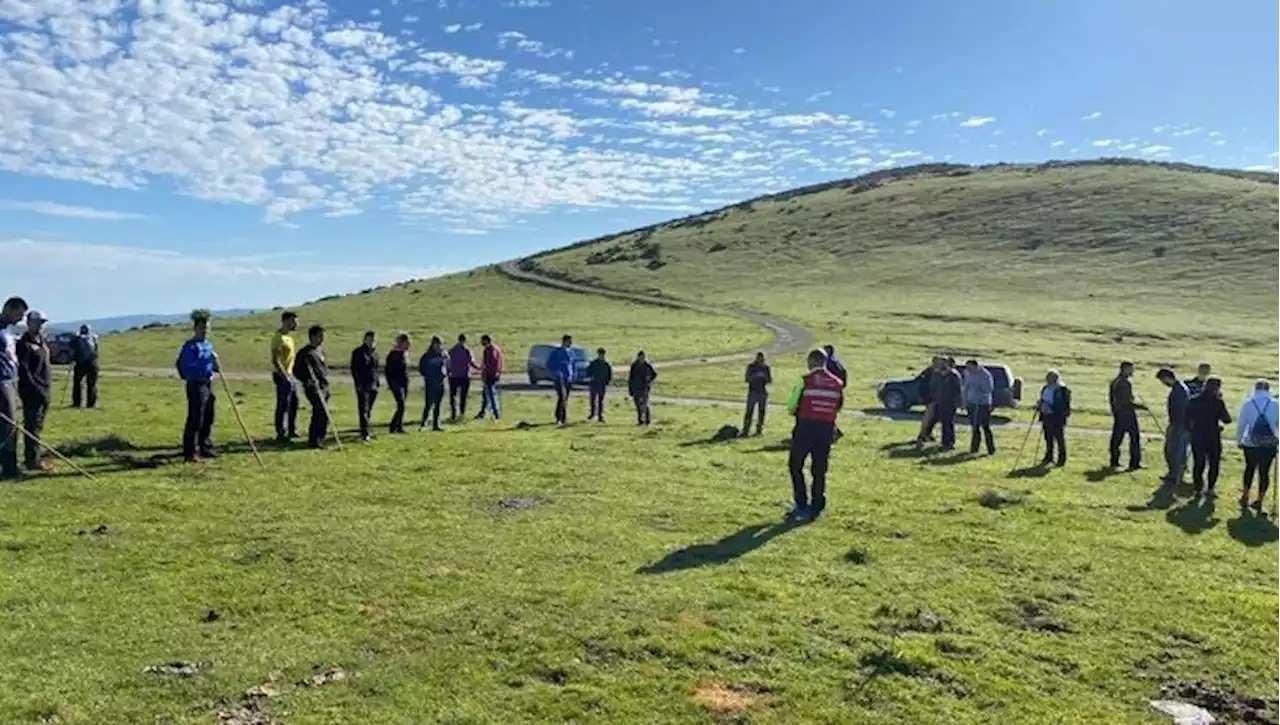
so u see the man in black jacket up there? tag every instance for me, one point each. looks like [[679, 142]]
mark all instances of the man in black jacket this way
[[1206, 414], [947, 392], [312, 370], [364, 373], [639, 384], [599, 375], [926, 382], [758, 379], [84, 355], [397, 372], [1055, 408], [34, 380], [1124, 418]]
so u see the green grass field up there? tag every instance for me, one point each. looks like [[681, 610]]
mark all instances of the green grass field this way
[[501, 574], [517, 315]]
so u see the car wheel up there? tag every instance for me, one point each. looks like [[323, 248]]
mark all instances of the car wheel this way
[[895, 400], [533, 381]]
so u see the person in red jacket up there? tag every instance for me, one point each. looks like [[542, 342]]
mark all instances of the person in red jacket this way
[[490, 373], [815, 402]]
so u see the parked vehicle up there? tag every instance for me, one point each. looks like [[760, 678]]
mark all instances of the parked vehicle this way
[[903, 394], [60, 350], [537, 365]]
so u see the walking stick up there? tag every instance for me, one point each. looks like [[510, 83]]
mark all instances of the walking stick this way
[[66, 394], [1023, 447], [243, 428], [333, 427], [47, 447]]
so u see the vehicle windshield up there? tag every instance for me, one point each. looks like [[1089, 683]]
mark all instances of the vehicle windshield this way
[[580, 354], [999, 376]]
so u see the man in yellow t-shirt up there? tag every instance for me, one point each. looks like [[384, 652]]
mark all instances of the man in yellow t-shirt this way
[[282, 353]]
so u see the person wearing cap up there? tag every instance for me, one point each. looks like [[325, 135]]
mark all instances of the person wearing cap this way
[[84, 371], [35, 378], [14, 309], [815, 402], [196, 364], [1176, 437]]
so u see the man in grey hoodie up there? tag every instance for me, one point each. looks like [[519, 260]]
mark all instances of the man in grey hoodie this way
[[978, 389]]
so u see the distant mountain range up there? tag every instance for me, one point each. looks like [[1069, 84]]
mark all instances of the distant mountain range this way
[[104, 325]]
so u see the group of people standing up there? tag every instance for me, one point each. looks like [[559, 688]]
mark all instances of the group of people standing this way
[[26, 378]]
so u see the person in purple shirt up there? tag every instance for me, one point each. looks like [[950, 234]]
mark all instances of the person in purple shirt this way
[[461, 363]]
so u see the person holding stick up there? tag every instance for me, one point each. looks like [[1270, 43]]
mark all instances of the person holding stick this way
[[196, 365], [364, 376], [84, 370], [1124, 418], [13, 311], [1176, 439], [35, 379], [397, 372], [1257, 427], [283, 351], [1055, 410], [312, 371]]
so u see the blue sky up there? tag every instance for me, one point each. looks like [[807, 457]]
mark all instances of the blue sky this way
[[165, 154]]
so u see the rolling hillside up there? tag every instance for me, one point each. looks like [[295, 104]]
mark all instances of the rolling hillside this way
[[1066, 265]]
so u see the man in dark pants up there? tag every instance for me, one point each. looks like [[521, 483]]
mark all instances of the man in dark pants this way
[[312, 370], [599, 375], [758, 379], [364, 374], [979, 390], [461, 363], [283, 350], [397, 372], [947, 395], [1206, 414], [197, 363], [815, 401], [434, 367], [639, 385], [84, 356], [1055, 409], [490, 374], [562, 368], [927, 382], [34, 380], [13, 311], [1176, 438], [1124, 418]]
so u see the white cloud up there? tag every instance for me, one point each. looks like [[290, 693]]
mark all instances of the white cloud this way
[[818, 96], [1273, 155], [1260, 167], [976, 121], [456, 27], [1056, 144], [525, 44], [1042, 132], [1215, 134], [49, 208], [1091, 116], [1156, 150], [888, 112], [526, 4], [437, 62], [739, 51], [1187, 131], [1104, 142]]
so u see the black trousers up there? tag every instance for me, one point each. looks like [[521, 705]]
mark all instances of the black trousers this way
[[86, 375], [563, 388], [596, 398], [399, 392], [980, 424], [8, 432], [810, 439], [1258, 460], [365, 398], [200, 404], [946, 417], [1055, 440], [35, 406], [1206, 453], [458, 389], [1125, 423], [757, 404], [319, 427], [434, 393], [643, 413], [286, 405]]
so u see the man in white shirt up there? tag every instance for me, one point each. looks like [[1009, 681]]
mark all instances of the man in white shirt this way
[[1257, 426]]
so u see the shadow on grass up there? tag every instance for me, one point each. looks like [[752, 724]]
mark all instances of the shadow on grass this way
[[776, 447], [1163, 497], [725, 434], [908, 449], [1252, 528], [950, 459], [1194, 516], [1036, 471], [1102, 473], [743, 541], [903, 415]]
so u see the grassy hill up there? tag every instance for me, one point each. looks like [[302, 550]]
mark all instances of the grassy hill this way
[[517, 315], [1057, 265]]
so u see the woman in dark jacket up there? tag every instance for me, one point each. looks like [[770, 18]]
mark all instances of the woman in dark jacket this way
[[1206, 413], [1054, 405]]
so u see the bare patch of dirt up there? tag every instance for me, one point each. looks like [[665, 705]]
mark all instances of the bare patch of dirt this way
[[1223, 701], [919, 620], [324, 676], [996, 500], [251, 709], [177, 668], [857, 557], [727, 698], [1038, 617], [520, 503]]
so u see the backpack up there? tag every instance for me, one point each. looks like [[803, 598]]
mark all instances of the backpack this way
[[1261, 434]]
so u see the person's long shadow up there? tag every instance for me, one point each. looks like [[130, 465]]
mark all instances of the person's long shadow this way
[[1252, 529], [949, 460], [742, 541], [910, 449], [1194, 516], [1101, 473], [1036, 471]]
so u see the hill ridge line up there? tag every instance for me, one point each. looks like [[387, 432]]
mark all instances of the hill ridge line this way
[[788, 336]]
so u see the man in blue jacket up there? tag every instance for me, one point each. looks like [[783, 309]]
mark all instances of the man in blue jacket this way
[[197, 363], [561, 366], [1177, 435]]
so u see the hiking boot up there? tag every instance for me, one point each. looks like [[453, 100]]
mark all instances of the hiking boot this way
[[208, 453], [759, 432], [1135, 467], [1062, 462], [1244, 499], [1046, 462], [479, 416], [1210, 493], [191, 459], [798, 513], [437, 429], [39, 466], [366, 438], [1257, 505], [315, 445]]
